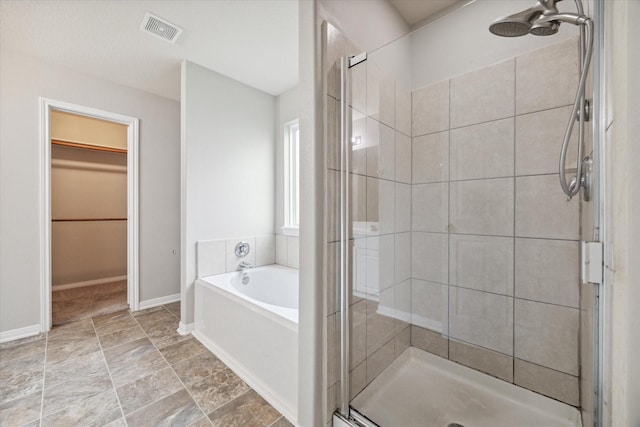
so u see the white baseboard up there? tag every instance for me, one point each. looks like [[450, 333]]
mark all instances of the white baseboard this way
[[158, 301], [16, 334], [88, 283], [185, 329]]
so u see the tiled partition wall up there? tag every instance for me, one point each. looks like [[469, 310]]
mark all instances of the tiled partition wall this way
[[334, 46], [494, 240]]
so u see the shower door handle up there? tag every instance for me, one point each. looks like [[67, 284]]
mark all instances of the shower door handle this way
[[591, 262]]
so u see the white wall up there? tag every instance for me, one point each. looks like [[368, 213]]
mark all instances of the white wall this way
[[461, 42], [369, 24], [625, 211], [287, 109], [633, 141], [425, 56], [227, 165], [24, 79]]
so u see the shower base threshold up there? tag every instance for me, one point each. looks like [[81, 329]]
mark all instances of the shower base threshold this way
[[421, 389]]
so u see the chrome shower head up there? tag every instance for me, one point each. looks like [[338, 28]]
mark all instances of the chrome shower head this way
[[515, 25], [548, 28], [521, 23]]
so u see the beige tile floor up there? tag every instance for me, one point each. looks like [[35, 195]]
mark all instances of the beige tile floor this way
[[124, 369]]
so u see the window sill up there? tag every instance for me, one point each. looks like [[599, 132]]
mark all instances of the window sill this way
[[291, 231]]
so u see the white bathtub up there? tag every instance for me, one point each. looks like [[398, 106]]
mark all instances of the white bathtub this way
[[253, 328]]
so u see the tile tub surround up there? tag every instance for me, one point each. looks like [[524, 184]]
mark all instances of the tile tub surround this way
[[218, 256], [287, 251], [491, 225], [124, 369]]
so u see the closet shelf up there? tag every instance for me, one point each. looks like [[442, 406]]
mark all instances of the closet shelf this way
[[88, 146], [87, 219]]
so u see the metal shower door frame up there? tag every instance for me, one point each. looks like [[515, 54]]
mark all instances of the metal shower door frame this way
[[600, 214], [347, 414], [345, 214]]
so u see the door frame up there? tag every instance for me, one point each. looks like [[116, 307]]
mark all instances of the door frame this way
[[132, 123]]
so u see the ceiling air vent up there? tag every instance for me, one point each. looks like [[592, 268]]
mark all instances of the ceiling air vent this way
[[160, 28]]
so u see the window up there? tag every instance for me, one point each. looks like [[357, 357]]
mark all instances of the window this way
[[291, 178]]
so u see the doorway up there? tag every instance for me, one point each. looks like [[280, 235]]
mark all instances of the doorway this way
[[89, 212]]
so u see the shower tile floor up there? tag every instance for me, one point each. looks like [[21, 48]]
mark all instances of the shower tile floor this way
[[124, 369], [420, 389]]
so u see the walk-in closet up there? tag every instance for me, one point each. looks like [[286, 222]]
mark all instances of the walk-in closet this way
[[89, 216]]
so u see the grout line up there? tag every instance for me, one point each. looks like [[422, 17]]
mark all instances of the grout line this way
[[237, 397], [172, 370], [497, 236], [44, 375], [274, 423], [115, 390], [411, 184], [495, 120], [545, 367], [478, 346], [448, 302], [515, 219], [487, 178]]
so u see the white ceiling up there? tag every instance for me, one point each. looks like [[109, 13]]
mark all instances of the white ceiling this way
[[416, 11], [252, 41]]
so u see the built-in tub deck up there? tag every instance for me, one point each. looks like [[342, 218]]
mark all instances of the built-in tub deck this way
[[253, 328]]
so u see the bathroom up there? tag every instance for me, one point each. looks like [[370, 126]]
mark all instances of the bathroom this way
[[446, 248]]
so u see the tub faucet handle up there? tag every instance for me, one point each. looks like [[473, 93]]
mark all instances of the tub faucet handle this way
[[244, 265]]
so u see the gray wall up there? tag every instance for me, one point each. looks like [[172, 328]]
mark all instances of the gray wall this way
[[228, 132], [22, 81]]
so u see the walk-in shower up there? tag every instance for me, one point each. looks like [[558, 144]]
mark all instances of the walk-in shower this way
[[543, 19], [454, 295]]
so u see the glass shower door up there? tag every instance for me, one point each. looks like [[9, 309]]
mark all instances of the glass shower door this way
[[374, 205]]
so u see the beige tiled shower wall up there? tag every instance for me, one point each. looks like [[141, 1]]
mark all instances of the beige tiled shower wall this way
[[494, 241]]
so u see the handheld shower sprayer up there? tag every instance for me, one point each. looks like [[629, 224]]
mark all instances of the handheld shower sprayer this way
[[544, 19]]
